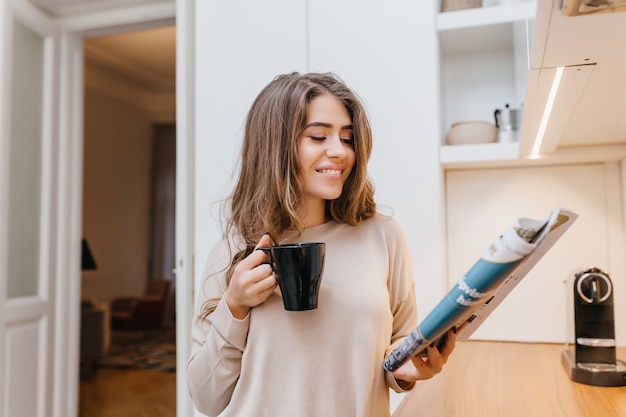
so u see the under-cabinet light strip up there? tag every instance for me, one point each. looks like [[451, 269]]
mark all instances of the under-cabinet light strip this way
[[546, 113]]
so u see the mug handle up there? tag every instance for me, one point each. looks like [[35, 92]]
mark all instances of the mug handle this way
[[269, 251]]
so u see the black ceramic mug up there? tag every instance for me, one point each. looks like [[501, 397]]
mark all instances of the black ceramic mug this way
[[298, 268]]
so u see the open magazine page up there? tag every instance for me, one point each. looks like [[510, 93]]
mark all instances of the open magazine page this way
[[486, 284]]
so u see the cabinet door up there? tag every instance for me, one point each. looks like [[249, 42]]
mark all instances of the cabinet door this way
[[482, 204]]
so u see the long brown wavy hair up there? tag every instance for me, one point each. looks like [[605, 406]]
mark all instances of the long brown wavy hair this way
[[268, 193]]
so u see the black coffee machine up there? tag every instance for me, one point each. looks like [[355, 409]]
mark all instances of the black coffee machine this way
[[592, 359]]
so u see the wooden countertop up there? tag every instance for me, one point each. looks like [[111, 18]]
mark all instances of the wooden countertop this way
[[484, 379]]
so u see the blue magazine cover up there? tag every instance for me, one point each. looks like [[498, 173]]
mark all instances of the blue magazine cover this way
[[486, 284]]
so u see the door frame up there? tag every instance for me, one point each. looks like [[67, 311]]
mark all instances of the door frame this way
[[75, 29], [185, 192]]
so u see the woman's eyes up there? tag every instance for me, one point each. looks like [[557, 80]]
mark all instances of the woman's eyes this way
[[348, 141]]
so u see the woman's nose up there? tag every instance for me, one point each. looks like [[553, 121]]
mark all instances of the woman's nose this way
[[336, 148]]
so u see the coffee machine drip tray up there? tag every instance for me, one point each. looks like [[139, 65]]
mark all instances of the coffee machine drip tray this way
[[599, 374]]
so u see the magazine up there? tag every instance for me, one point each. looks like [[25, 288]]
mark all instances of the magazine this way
[[472, 299]]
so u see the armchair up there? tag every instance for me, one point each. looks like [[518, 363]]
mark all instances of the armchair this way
[[145, 312]]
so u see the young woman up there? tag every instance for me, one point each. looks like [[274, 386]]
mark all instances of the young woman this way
[[303, 177]]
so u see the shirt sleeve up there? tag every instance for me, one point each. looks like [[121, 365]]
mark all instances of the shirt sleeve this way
[[218, 341], [401, 295]]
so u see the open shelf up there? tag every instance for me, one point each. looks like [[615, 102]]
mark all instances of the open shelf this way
[[451, 154], [484, 58]]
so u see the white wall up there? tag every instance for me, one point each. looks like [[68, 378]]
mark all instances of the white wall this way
[[118, 132], [622, 168], [385, 52], [116, 199], [240, 47]]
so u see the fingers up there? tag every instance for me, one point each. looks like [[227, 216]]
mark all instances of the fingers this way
[[429, 362], [418, 368], [257, 257], [448, 346], [252, 281], [257, 277], [265, 241], [267, 279], [434, 359]]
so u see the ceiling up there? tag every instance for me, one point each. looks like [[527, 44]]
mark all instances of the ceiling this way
[[59, 8], [146, 58]]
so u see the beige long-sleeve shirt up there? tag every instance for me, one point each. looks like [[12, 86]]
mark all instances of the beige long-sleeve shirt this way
[[318, 363]]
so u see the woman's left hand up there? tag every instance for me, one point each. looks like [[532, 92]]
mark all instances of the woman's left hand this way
[[427, 364]]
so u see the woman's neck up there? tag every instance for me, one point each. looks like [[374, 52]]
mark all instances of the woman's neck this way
[[314, 214]]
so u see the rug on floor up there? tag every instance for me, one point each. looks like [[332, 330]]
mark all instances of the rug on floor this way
[[153, 350]]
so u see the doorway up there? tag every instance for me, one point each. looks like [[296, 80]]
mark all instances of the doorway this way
[[47, 357], [129, 135]]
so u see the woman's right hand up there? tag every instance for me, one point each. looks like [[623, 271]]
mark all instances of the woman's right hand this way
[[252, 282]]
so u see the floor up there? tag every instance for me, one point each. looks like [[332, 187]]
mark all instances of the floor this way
[[128, 393]]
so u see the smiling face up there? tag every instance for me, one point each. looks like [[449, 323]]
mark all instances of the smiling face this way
[[325, 152]]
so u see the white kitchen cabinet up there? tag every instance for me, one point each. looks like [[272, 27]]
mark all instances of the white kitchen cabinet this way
[[484, 61], [487, 186]]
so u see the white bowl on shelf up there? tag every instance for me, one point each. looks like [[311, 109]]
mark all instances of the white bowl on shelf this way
[[472, 132]]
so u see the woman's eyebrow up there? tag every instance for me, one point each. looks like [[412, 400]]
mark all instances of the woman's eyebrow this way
[[327, 125]]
